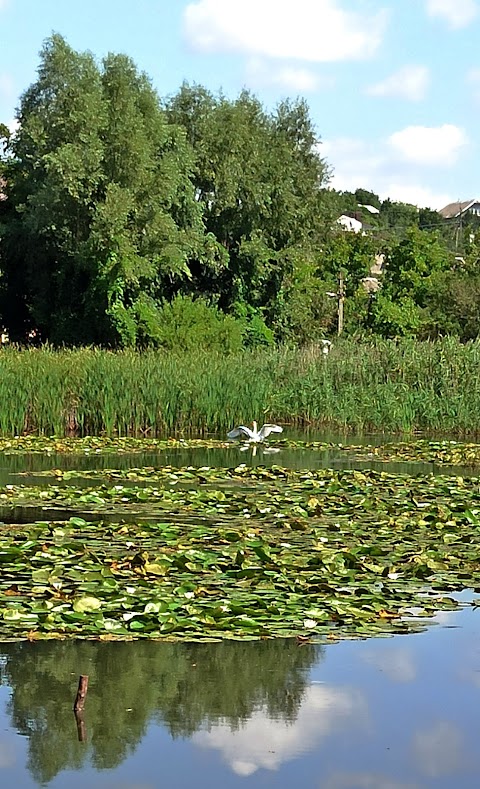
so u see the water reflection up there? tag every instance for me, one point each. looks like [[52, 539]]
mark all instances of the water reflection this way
[[263, 742], [185, 687], [440, 750], [228, 457], [398, 713]]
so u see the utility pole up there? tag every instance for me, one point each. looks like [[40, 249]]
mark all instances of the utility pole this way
[[341, 298], [459, 228], [340, 295]]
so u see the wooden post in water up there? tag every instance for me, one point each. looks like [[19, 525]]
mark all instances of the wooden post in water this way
[[78, 706], [81, 693], [81, 728]]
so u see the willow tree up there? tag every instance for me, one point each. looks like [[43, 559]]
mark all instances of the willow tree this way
[[102, 215]]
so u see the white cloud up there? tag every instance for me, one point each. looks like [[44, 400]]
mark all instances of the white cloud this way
[[440, 750], [310, 30], [429, 145], [374, 165], [396, 662], [416, 194], [410, 82], [264, 74], [265, 743], [457, 13]]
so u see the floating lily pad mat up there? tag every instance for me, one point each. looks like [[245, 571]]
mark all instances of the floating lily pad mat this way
[[310, 554], [452, 453]]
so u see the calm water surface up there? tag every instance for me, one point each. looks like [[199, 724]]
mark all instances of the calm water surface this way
[[227, 457], [395, 713]]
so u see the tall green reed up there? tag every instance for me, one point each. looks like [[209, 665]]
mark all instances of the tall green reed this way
[[378, 385]]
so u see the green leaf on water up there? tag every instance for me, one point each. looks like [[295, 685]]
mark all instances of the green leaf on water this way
[[86, 604]]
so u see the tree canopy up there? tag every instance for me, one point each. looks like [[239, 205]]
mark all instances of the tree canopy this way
[[136, 220]]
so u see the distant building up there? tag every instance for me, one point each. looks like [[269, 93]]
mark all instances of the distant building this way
[[459, 209], [370, 208], [350, 223]]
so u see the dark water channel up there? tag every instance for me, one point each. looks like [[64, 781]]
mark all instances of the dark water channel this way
[[397, 713], [392, 713]]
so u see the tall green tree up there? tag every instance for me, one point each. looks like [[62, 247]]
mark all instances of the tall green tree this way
[[259, 178], [412, 267], [103, 216]]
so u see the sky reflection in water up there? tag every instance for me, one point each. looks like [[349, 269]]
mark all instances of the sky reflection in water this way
[[395, 713]]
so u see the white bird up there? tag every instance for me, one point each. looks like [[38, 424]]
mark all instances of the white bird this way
[[254, 435], [326, 345]]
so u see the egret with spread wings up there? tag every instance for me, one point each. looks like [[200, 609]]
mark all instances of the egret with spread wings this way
[[256, 436]]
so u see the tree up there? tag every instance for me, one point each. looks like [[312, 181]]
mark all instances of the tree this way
[[411, 268], [430, 220], [259, 178], [411, 263], [398, 216], [364, 197], [103, 216], [454, 305]]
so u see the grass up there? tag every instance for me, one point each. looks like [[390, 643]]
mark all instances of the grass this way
[[392, 386]]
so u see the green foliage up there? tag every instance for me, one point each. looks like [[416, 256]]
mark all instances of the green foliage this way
[[104, 212], [256, 333], [305, 312], [411, 263], [364, 197], [258, 177], [353, 252], [430, 220], [400, 216], [4, 145], [186, 324], [454, 305], [412, 270], [395, 318], [119, 201]]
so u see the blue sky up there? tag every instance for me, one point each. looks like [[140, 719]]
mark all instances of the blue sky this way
[[393, 85]]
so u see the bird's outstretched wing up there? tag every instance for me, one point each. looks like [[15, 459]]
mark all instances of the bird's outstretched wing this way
[[265, 430], [240, 431]]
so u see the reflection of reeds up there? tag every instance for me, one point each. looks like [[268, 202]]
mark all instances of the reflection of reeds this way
[[382, 385]]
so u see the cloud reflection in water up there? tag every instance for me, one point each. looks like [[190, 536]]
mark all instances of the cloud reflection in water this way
[[266, 743]]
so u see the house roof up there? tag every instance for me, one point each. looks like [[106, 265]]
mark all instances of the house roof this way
[[453, 210], [349, 223], [371, 208]]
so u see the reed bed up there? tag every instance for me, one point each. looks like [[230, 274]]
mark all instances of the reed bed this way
[[394, 386]]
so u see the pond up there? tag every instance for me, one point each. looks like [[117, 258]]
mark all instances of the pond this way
[[393, 713], [227, 456], [399, 712]]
